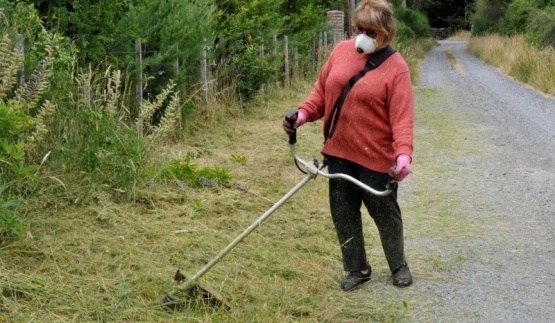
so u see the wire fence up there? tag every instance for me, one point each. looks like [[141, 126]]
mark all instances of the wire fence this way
[[294, 65], [295, 61]]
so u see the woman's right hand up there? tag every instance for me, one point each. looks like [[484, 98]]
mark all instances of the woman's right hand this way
[[290, 129]]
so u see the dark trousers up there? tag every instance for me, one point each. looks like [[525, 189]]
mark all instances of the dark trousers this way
[[345, 202]]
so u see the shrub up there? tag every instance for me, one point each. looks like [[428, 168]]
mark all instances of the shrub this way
[[517, 16], [415, 20], [404, 33], [487, 18], [541, 28]]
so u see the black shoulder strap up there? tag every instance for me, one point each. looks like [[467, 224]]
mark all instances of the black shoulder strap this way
[[373, 61]]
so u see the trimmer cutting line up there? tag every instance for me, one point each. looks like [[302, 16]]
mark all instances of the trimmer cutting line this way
[[193, 287]]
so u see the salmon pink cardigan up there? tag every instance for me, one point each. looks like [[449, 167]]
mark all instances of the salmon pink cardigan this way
[[377, 118]]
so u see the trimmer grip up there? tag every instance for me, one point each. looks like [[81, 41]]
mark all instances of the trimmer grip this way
[[291, 117]]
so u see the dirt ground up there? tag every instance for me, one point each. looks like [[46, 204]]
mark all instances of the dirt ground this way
[[500, 174]]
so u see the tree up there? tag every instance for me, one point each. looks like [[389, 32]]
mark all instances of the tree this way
[[449, 13], [171, 31], [487, 16], [90, 25], [244, 27]]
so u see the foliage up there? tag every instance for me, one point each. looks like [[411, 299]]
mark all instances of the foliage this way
[[11, 226], [453, 14], [174, 34], [534, 66], [184, 170], [543, 25], [239, 159], [98, 144], [24, 114], [487, 15], [540, 26], [404, 33], [90, 25], [516, 18], [533, 18], [246, 26], [243, 27], [415, 20]]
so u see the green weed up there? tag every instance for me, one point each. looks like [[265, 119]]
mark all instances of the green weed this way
[[11, 226], [195, 209], [185, 171], [241, 160]]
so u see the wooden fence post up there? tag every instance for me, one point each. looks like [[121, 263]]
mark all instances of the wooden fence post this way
[[261, 54], [20, 47], [139, 62], [296, 63], [176, 63], [351, 10], [313, 54], [286, 56], [204, 97], [320, 48]]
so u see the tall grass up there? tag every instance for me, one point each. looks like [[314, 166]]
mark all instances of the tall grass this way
[[512, 55], [461, 35]]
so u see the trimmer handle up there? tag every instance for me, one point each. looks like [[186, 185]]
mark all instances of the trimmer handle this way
[[291, 117]]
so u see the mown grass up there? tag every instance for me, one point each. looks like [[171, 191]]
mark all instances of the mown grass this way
[[514, 57], [112, 262]]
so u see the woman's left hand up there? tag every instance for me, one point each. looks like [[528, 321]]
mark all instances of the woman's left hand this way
[[402, 168]]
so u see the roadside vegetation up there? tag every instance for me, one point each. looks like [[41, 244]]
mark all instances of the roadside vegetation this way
[[518, 37], [515, 57]]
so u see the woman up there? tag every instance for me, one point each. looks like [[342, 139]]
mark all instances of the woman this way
[[373, 131]]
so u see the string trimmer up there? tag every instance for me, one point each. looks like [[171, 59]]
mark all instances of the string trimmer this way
[[192, 286]]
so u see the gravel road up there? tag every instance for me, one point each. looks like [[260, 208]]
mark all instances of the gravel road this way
[[507, 190]]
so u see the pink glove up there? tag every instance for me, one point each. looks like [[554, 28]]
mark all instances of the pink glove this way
[[301, 119], [401, 169]]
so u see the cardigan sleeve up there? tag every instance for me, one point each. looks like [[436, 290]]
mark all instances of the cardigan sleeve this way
[[401, 114]]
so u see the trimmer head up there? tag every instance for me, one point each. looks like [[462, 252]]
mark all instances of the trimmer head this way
[[193, 292]]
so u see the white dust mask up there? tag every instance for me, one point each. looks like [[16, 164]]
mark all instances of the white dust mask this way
[[365, 44]]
